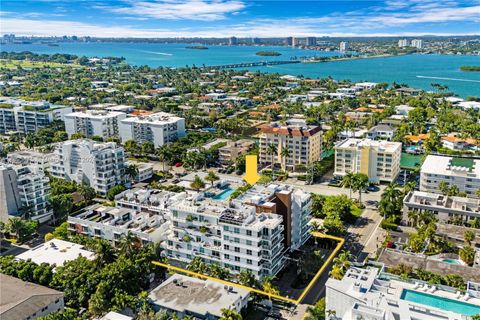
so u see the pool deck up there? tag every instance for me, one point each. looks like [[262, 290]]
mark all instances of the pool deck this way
[[397, 288]]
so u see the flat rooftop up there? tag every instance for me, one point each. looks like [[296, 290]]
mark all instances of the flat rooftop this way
[[95, 114], [155, 118], [182, 293], [381, 145], [56, 252], [293, 127], [451, 166]]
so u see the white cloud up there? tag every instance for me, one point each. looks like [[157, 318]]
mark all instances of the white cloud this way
[[262, 28], [205, 10]]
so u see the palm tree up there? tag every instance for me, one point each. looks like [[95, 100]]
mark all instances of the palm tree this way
[[469, 236], [197, 265], [413, 218], [104, 252], [212, 177], [467, 254], [163, 154], [230, 314], [268, 286], [342, 260], [361, 182], [409, 186], [246, 278], [475, 223], [285, 153], [131, 171], [128, 243], [272, 150], [87, 192], [348, 181], [197, 184], [15, 225]]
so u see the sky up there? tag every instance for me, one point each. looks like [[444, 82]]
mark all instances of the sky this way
[[240, 18]]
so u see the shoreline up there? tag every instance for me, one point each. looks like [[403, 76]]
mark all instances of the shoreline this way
[[383, 55]]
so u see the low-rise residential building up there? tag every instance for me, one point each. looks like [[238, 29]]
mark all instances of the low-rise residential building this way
[[302, 142], [445, 208], [55, 252], [369, 293], [100, 165], [464, 173], [233, 149], [30, 157], [158, 128], [25, 300], [379, 160], [145, 171], [381, 131], [28, 116], [90, 123], [202, 299], [112, 223], [24, 191]]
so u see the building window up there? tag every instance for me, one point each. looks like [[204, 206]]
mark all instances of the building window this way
[[237, 259]]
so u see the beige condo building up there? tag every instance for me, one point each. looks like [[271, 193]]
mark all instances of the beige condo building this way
[[380, 160], [303, 141]]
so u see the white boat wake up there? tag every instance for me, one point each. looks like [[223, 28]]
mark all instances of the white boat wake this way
[[451, 79], [159, 53]]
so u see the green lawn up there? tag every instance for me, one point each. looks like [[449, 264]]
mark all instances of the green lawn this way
[[14, 64]]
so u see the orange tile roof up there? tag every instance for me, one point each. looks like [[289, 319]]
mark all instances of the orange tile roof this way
[[270, 107], [141, 113]]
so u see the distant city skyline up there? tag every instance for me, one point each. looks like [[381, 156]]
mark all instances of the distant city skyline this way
[[226, 18]]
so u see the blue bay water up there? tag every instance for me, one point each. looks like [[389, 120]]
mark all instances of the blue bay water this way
[[418, 71]]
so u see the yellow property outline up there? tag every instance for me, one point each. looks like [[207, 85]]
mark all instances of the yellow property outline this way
[[341, 241]]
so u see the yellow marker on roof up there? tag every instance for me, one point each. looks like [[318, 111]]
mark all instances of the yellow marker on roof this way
[[251, 174]]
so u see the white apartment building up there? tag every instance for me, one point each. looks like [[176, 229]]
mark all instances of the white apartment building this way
[[444, 207], [378, 159], [231, 235], [343, 46], [303, 142], [402, 43], [203, 299], [30, 157], [159, 128], [112, 223], [91, 123], [100, 165], [293, 204], [55, 252], [24, 191], [28, 116], [417, 43], [461, 172], [370, 294]]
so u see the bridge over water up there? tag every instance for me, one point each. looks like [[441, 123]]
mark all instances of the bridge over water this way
[[253, 64]]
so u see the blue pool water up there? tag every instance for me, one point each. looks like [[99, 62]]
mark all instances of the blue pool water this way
[[440, 303], [451, 261], [225, 194]]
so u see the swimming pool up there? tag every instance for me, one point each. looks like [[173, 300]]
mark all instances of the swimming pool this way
[[451, 261], [225, 194], [440, 303]]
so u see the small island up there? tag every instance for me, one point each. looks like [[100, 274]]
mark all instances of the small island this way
[[197, 47], [470, 68], [268, 53]]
